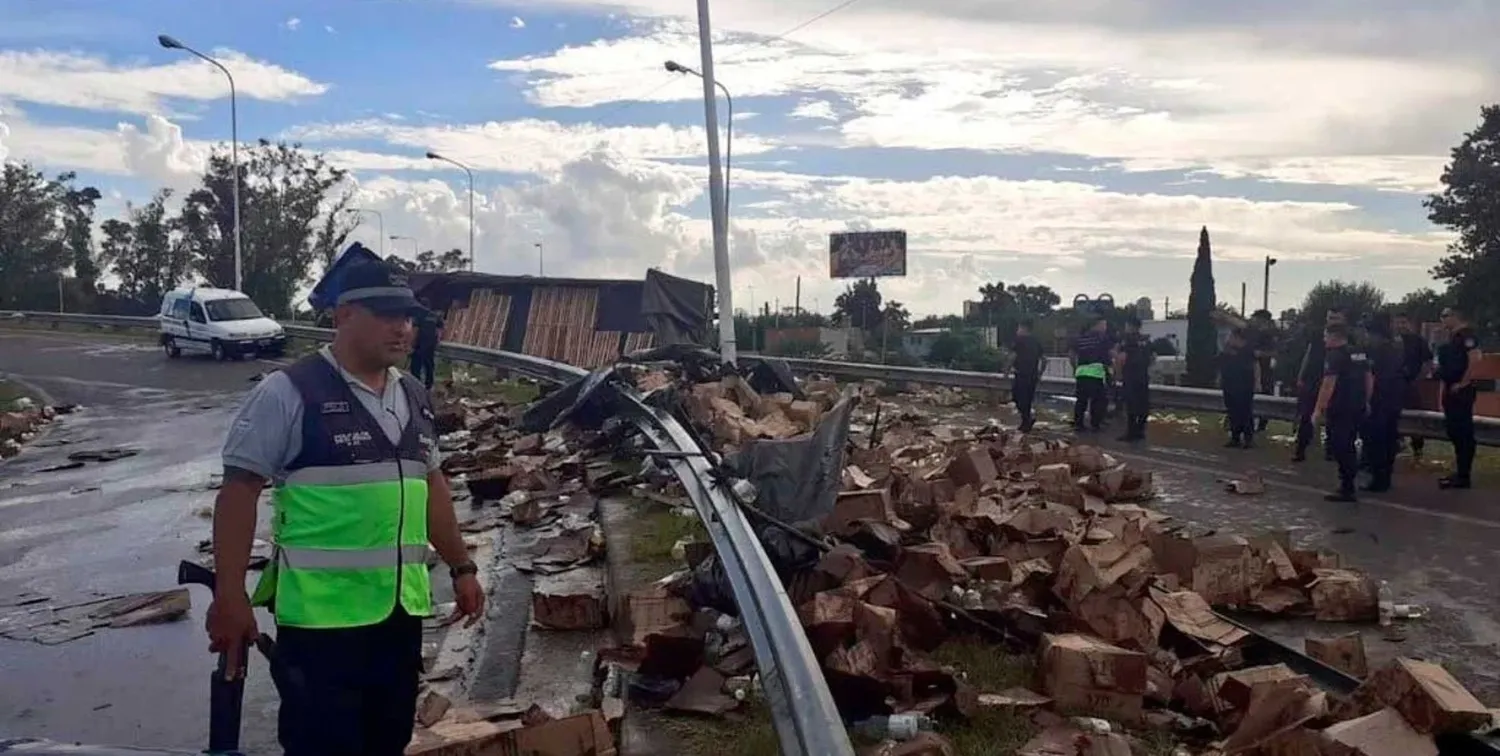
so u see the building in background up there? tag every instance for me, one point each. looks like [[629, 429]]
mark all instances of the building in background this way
[[1176, 330], [839, 341], [1143, 309], [582, 322], [917, 343]]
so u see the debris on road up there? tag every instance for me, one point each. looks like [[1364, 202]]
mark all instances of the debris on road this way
[[35, 618], [1250, 485], [21, 422], [103, 455]]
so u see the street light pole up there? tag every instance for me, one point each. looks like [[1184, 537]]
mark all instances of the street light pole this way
[[675, 67], [540, 261], [380, 225], [1265, 292], [717, 207], [451, 161], [234, 151]]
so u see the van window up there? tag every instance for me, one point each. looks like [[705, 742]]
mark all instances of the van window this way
[[179, 309], [198, 313], [238, 308]]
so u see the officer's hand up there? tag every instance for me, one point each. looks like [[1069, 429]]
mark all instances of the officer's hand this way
[[468, 596], [231, 625]]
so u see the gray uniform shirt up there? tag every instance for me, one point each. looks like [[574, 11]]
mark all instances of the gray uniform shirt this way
[[266, 435]]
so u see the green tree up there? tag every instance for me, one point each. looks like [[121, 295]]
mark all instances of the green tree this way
[[143, 253], [429, 261], [995, 302], [1358, 300], [808, 349], [1422, 306], [40, 229], [292, 220], [1203, 334], [965, 349], [1469, 205], [859, 304], [1033, 301]]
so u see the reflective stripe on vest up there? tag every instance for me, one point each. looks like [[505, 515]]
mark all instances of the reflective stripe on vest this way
[[1091, 370]]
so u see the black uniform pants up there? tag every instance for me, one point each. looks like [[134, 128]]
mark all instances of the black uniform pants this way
[[1382, 438], [1090, 395], [1307, 401], [1268, 388], [1414, 401], [1137, 398], [1343, 429], [356, 691], [1023, 393], [1458, 418], [424, 364], [1239, 405]]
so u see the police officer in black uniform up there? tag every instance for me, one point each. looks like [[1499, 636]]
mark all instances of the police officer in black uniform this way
[[1382, 433], [1416, 365], [1309, 381], [1263, 341], [1029, 365], [1133, 364], [1238, 379], [1457, 360], [1341, 404]]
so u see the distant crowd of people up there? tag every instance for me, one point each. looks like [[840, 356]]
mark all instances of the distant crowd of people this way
[[1353, 384]]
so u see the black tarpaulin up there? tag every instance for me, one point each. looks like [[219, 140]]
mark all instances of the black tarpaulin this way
[[618, 308], [676, 310]]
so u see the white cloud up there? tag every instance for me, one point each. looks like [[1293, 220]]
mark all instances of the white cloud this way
[[1206, 99], [330, 30], [517, 23], [821, 110], [292, 24], [93, 83], [521, 146]]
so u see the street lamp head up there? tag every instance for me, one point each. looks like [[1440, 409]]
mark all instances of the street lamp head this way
[[1271, 261], [394, 237], [168, 42], [434, 156], [675, 67]]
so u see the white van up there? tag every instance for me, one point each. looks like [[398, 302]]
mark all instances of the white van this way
[[219, 322]]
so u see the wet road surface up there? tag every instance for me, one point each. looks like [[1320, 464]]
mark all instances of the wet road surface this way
[[116, 527]]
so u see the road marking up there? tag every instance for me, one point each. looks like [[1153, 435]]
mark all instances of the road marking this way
[[1301, 488]]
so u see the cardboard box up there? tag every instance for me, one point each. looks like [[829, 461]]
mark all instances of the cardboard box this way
[[1088, 675]]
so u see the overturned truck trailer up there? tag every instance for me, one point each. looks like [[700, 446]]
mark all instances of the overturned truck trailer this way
[[583, 322]]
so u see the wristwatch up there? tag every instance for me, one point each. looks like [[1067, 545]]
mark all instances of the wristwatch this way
[[463, 568]]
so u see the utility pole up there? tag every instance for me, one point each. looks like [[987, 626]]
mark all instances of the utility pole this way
[[1265, 292], [1243, 287], [723, 278]]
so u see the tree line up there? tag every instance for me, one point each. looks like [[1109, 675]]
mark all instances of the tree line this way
[[295, 217]]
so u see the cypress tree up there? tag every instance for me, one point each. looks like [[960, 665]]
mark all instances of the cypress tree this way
[[1202, 335]]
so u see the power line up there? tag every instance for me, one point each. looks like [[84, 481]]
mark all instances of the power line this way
[[639, 99]]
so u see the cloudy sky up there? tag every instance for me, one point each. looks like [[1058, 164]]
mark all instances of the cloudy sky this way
[[1077, 143]]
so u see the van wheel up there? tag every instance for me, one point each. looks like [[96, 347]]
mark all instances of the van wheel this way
[[218, 351], [169, 345]]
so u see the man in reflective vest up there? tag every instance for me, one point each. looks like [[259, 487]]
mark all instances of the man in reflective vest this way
[[347, 441]]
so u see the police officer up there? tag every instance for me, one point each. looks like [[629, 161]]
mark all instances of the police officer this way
[[1387, 381], [429, 328], [1092, 354], [1457, 360], [1133, 364], [1238, 378], [1416, 365], [1263, 341], [1341, 404], [1029, 365], [348, 444], [1310, 377]]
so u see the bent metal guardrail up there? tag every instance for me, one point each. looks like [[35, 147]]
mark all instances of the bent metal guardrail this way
[[1413, 422], [806, 720]]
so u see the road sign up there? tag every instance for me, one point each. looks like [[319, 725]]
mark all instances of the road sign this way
[[867, 254]]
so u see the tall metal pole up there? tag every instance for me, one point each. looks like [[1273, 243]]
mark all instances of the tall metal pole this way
[[723, 278], [451, 161], [234, 152], [541, 269], [675, 67], [1243, 287], [1265, 292]]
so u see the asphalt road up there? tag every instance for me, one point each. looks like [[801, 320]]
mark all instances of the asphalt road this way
[[116, 527]]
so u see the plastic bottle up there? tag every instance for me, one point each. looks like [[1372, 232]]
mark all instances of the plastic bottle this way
[[895, 727], [1408, 611], [1387, 604]]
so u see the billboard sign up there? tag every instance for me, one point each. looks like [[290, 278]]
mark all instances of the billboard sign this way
[[867, 254]]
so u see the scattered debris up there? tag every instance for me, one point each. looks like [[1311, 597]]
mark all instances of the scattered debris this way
[[36, 618], [103, 455]]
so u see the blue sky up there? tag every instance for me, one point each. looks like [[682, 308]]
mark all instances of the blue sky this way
[[1074, 143]]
